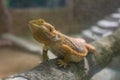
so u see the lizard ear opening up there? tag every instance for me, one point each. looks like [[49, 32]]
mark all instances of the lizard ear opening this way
[[51, 29]]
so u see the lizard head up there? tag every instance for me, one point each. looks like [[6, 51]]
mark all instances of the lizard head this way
[[41, 25], [42, 31]]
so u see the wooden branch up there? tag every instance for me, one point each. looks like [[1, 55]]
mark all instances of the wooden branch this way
[[106, 49]]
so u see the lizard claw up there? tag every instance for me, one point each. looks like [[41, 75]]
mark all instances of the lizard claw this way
[[61, 63]]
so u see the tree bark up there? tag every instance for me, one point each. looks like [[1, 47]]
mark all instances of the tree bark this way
[[106, 49]]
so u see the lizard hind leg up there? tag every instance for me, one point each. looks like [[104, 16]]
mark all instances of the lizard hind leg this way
[[65, 61]]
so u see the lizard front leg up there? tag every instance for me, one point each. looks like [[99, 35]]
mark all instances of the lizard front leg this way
[[44, 55]]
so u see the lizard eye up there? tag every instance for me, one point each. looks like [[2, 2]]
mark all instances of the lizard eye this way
[[41, 21]]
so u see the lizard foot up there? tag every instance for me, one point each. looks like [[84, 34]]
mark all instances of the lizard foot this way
[[45, 59], [62, 63]]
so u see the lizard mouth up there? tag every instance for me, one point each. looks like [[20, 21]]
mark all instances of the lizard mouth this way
[[37, 24]]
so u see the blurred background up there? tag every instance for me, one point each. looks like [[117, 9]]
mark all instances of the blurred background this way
[[91, 19], [68, 16]]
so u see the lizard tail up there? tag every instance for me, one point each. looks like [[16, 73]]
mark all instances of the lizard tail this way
[[90, 47]]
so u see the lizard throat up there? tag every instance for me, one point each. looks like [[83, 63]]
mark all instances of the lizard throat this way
[[46, 38]]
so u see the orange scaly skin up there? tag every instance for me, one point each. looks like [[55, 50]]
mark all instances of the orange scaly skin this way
[[70, 49]]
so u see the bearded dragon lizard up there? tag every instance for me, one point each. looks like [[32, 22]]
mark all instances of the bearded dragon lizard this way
[[70, 49]]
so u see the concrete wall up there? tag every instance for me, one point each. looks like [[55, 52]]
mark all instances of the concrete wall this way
[[58, 17], [89, 11], [73, 18]]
